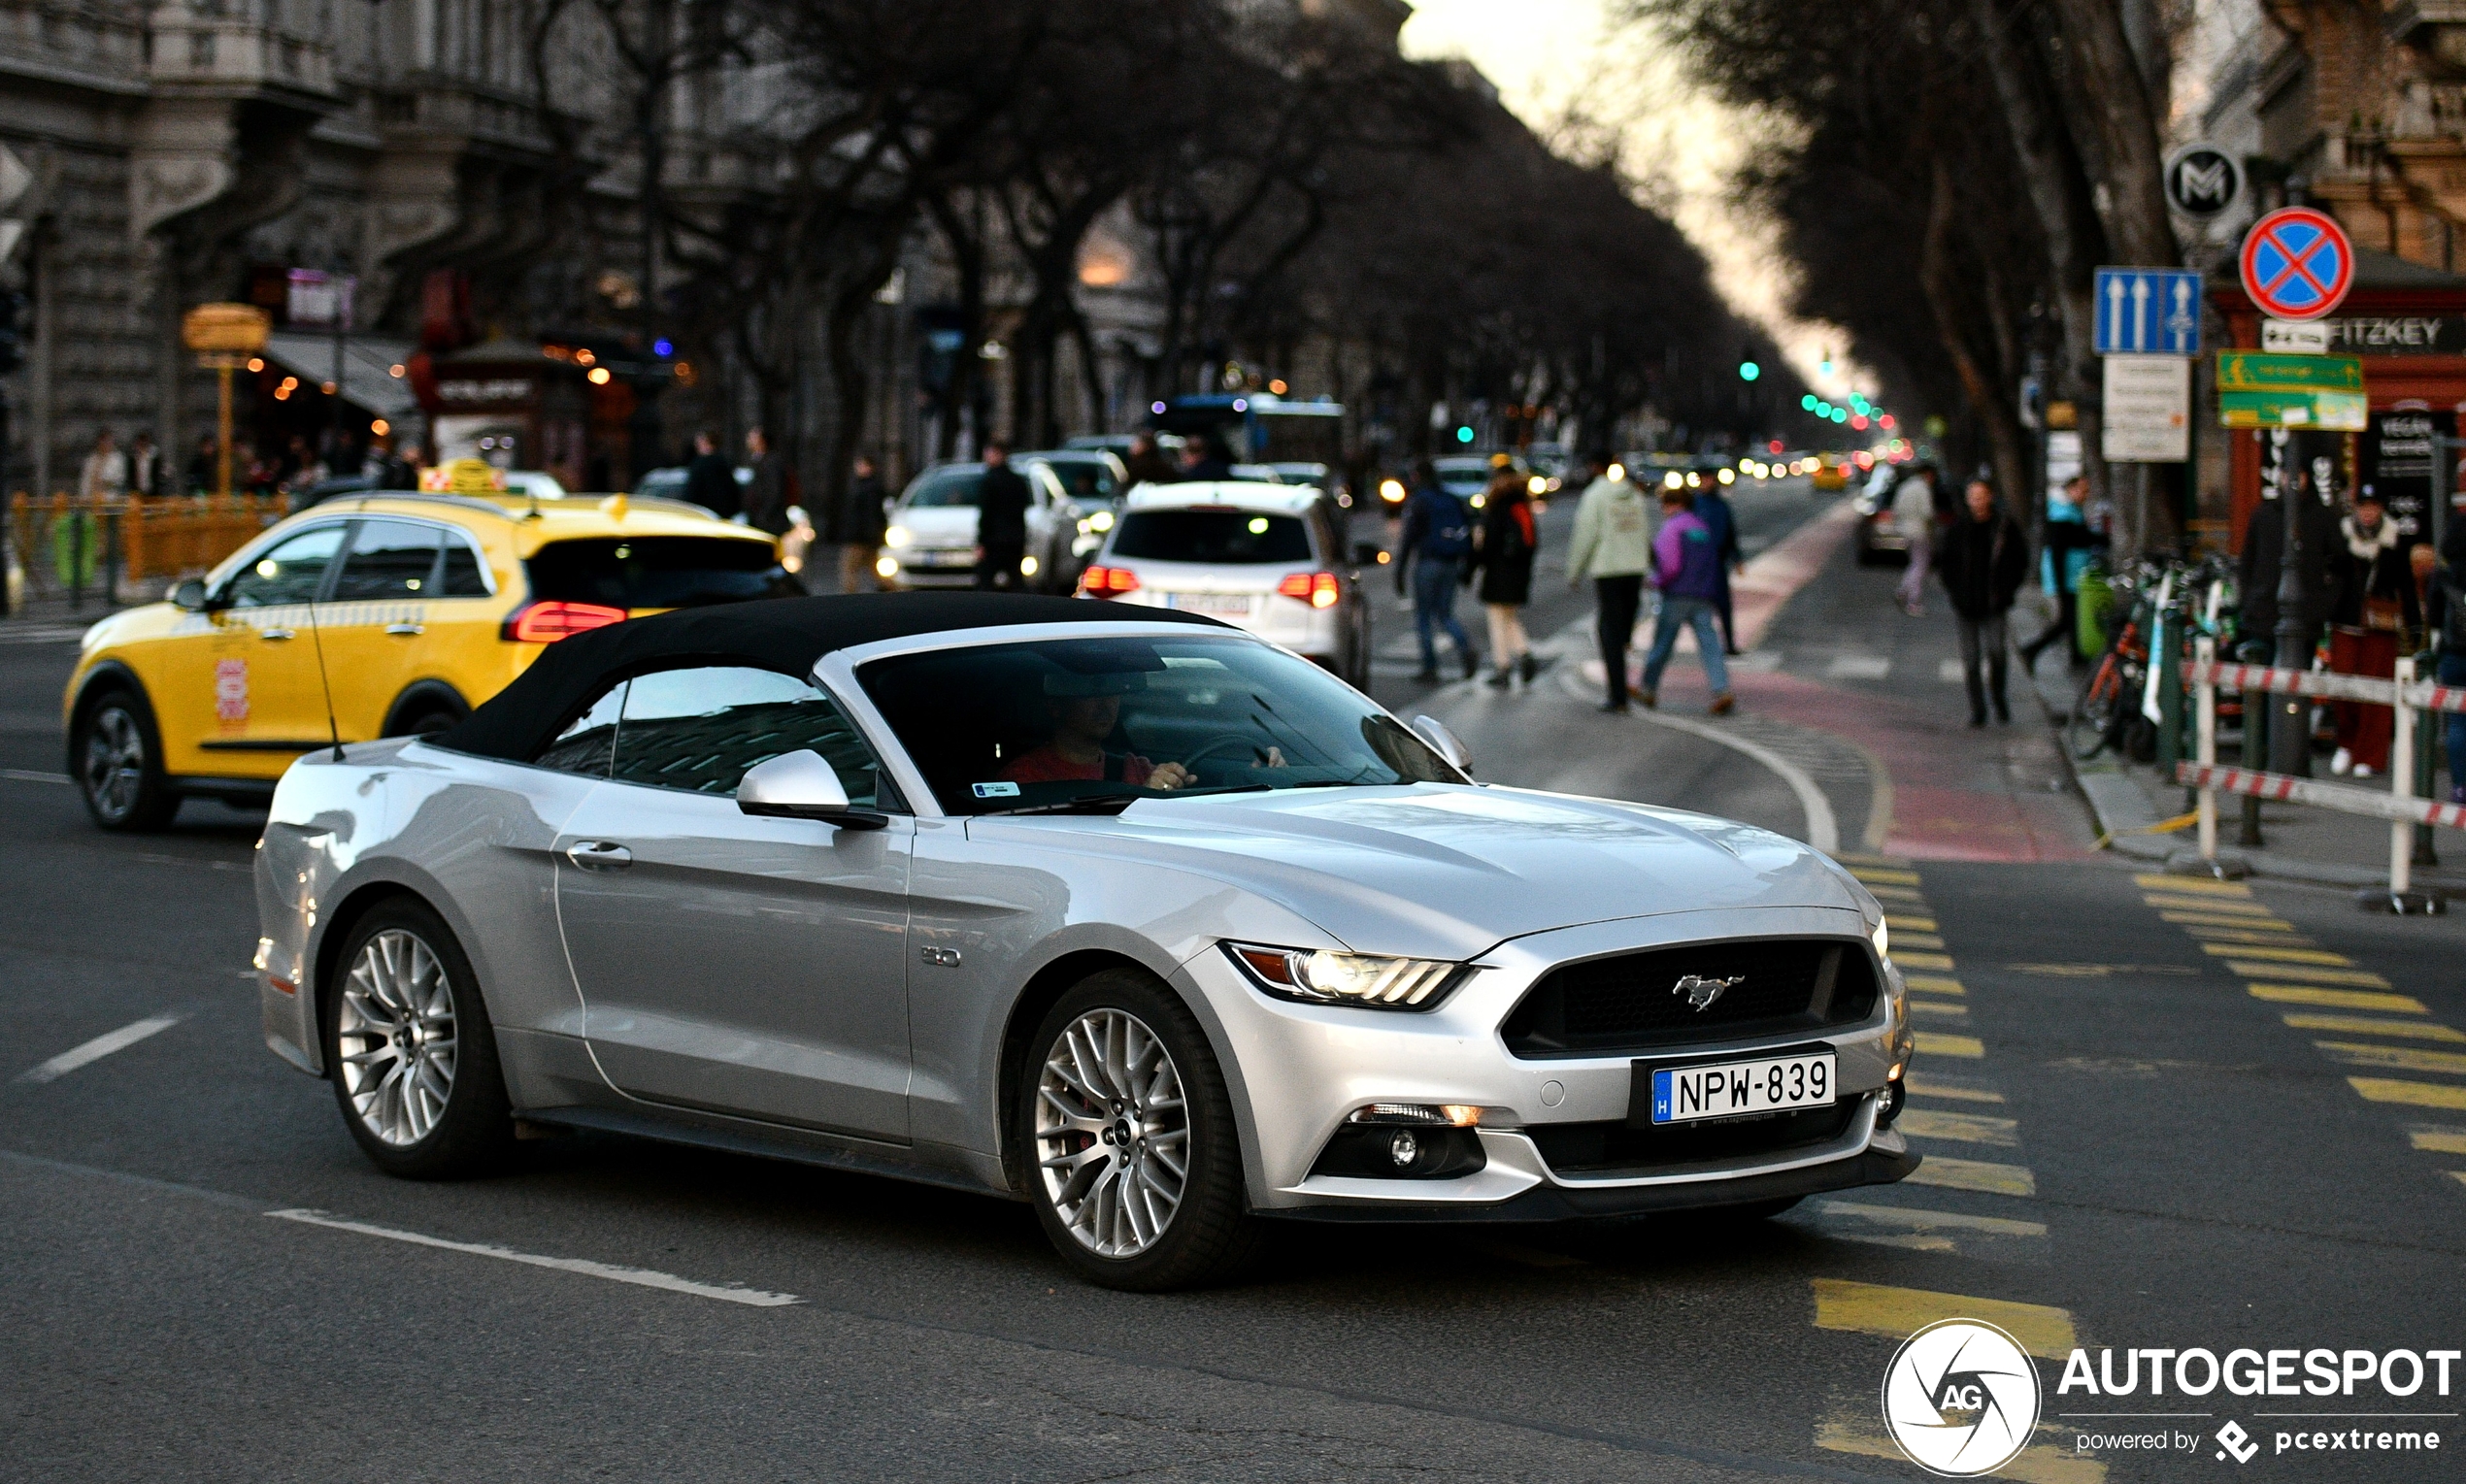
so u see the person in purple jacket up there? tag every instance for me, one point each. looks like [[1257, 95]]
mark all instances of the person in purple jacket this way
[[1686, 570]]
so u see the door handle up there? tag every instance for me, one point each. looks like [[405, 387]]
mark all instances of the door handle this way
[[599, 854], [406, 629], [271, 635]]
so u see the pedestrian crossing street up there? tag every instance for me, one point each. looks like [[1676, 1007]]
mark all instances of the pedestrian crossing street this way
[[1957, 1116], [2356, 1018]]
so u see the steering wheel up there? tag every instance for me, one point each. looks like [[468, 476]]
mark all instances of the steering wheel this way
[[1230, 741]]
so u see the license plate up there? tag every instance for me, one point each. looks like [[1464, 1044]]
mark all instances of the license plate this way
[[1219, 604], [1732, 1089]]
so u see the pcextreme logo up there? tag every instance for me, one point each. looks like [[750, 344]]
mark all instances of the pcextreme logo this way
[[1961, 1397]]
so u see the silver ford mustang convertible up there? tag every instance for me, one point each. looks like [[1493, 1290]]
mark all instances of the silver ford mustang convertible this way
[[1122, 913]]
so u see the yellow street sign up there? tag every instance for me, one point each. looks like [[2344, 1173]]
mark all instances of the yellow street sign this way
[[239, 328]]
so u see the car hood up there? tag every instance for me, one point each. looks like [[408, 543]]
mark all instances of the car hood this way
[[1449, 870]]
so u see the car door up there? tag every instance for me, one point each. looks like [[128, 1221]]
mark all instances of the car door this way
[[264, 688], [733, 963], [371, 622]]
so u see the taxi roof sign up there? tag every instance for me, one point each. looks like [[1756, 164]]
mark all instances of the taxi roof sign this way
[[463, 476]]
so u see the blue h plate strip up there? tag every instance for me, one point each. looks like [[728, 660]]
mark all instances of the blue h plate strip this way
[[1661, 1097]]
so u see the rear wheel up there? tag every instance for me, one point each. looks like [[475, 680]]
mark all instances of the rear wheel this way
[[410, 1050], [2093, 710], [1136, 1167], [119, 757]]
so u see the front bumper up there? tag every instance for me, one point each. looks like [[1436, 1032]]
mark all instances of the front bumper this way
[[1300, 1070]]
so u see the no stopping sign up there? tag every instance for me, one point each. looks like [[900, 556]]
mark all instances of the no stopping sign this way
[[2297, 263]]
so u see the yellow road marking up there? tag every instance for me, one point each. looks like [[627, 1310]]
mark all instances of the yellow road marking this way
[[1901, 941], [2434, 1140], [1938, 1044], [2042, 1463], [2209, 916], [1956, 1090], [1909, 961], [2336, 999], [2365, 1025], [1944, 1008], [1974, 1174], [1932, 984], [2355, 1053], [2196, 886], [2222, 905], [1912, 924], [2242, 934], [1896, 894], [2251, 969], [1871, 1309], [1960, 1128], [2411, 1094], [2282, 955], [1932, 1221], [1873, 875]]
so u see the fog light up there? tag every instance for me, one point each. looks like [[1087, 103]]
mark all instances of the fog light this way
[[1404, 1148], [1893, 1095]]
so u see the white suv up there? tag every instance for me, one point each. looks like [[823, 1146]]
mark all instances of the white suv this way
[[1268, 558]]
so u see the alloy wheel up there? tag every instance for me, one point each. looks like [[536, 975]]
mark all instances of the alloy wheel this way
[[1113, 1133], [396, 1032], [114, 766]]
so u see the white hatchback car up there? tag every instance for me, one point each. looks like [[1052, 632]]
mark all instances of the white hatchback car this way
[[931, 539], [1268, 558]]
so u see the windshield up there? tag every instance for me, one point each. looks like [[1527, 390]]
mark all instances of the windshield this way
[[1222, 538], [1084, 478], [633, 572], [1018, 726], [948, 486]]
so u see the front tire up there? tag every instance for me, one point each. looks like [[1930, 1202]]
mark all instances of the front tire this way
[[1134, 1163], [117, 754], [410, 1050]]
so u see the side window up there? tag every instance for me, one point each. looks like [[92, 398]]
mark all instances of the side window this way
[[391, 561], [292, 572], [588, 746], [700, 729], [466, 574]]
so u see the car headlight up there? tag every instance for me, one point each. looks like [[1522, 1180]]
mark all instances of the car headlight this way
[[898, 536], [1369, 979], [1882, 938], [1102, 520]]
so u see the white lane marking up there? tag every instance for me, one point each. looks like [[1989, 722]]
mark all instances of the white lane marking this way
[[54, 634], [1858, 667], [98, 1048], [1824, 831], [641, 1277], [29, 776]]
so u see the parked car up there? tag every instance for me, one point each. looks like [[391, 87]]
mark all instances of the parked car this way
[[1268, 558], [1122, 913], [931, 539], [1879, 541]]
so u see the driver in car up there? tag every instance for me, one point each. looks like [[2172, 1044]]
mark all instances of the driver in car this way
[[1083, 711]]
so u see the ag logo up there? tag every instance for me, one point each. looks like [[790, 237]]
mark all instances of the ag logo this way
[[1961, 1397]]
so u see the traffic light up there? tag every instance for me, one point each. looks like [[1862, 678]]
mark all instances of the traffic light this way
[[1807, 403], [1464, 433], [1749, 370]]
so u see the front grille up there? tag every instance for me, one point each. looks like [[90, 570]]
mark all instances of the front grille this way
[[1615, 1148], [1629, 1002]]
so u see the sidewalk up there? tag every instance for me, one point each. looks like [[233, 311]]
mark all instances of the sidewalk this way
[[2317, 846]]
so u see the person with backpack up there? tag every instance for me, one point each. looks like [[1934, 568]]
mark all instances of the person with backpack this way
[[1686, 569], [1713, 507], [1438, 539], [1613, 547], [1504, 556]]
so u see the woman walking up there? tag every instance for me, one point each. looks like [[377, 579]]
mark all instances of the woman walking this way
[[1504, 553]]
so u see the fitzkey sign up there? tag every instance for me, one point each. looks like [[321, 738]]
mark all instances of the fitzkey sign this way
[[2148, 312]]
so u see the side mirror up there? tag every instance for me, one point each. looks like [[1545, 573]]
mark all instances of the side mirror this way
[[189, 595], [801, 785], [1444, 743], [1365, 553]]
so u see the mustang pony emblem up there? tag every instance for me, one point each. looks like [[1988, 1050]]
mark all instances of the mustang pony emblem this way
[[1701, 992]]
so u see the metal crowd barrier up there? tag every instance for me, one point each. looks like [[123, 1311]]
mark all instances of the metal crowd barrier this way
[[2400, 805], [69, 545]]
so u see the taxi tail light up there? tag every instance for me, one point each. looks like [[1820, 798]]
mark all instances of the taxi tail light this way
[[1318, 589], [547, 623], [1108, 581]]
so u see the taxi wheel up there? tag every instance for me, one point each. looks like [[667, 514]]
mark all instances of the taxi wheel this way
[[117, 757]]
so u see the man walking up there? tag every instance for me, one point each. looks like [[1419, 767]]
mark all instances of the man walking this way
[[1613, 545], [1686, 569], [709, 480], [1001, 520], [1438, 537], [861, 524], [766, 497], [1986, 555], [1713, 507], [1913, 521]]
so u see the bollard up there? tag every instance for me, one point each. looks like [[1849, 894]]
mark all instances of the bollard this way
[[2205, 741], [2402, 783]]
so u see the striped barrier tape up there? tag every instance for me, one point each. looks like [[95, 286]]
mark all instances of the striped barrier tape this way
[[2423, 695], [2345, 798]]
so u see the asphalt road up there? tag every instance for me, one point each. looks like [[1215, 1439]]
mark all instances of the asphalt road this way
[[2135, 1137]]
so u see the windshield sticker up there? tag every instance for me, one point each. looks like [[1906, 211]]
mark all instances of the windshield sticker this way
[[997, 790]]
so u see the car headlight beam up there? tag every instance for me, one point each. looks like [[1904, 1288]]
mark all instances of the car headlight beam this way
[[1318, 976]]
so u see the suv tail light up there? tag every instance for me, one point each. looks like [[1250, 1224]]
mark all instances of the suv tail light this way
[[1318, 589], [1108, 581], [545, 623]]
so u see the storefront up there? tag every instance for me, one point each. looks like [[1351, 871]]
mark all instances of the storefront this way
[[514, 406], [2408, 324]]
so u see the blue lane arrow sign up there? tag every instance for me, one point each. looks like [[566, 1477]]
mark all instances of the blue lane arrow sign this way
[[2148, 312]]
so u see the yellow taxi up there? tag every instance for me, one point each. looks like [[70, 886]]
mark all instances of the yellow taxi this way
[[1832, 473], [400, 610]]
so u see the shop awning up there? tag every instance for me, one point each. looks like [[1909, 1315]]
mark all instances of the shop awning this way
[[368, 361]]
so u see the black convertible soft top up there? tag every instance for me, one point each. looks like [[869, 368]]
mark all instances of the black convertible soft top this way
[[787, 635]]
